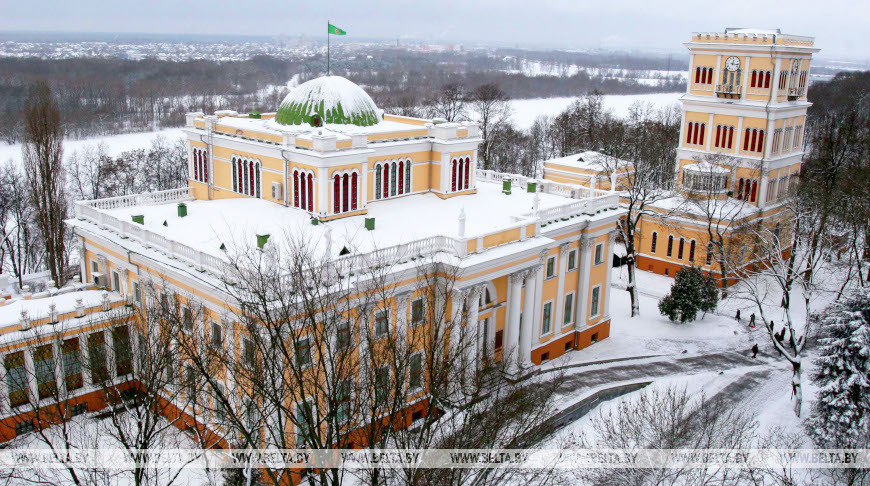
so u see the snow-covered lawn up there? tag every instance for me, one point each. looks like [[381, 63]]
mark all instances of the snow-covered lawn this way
[[527, 110]]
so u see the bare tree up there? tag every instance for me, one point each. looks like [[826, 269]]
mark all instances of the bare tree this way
[[42, 150], [448, 103], [21, 248], [491, 109]]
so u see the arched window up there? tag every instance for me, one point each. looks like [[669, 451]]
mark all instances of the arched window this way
[[730, 136], [467, 170], [697, 74], [652, 246], [453, 179], [241, 188], [378, 170], [670, 245], [387, 180], [767, 80], [345, 190], [740, 189], [752, 79], [754, 188], [680, 249], [688, 132], [303, 193], [709, 253], [311, 192], [235, 181], [746, 135], [754, 137], [692, 251], [204, 170], [401, 178], [408, 175], [701, 137], [196, 164], [336, 194], [760, 141], [295, 189], [353, 190], [718, 133]]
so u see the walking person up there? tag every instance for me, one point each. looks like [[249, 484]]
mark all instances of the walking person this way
[[755, 350], [752, 321], [738, 315]]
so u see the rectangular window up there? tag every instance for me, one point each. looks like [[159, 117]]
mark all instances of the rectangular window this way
[[680, 249], [343, 397], [303, 352], [594, 305], [546, 318], [418, 310], [187, 320], [343, 337], [499, 339], [97, 355], [220, 411], [72, 364], [655, 237], [123, 355], [249, 353], [599, 253], [216, 340], [304, 417], [572, 260], [137, 292], [568, 315], [551, 267], [190, 382], [24, 427], [95, 267], [43, 360], [116, 282], [382, 385], [382, 323], [415, 375]]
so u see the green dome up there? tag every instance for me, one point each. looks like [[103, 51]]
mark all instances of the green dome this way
[[334, 98]]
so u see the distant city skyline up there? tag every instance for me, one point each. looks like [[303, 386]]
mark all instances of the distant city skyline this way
[[655, 25]]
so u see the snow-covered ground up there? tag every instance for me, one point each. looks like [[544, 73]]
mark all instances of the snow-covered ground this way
[[526, 111], [114, 144]]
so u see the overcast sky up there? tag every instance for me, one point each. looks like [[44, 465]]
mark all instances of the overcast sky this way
[[655, 24]]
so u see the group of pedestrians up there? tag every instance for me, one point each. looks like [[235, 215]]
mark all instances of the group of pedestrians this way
[[751, 326]]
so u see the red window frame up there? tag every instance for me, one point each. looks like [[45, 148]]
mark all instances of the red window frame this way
[[310, 192], [353, 191], [467, 168], [295, 189], [400, 186], [336, 194], [344, 193]]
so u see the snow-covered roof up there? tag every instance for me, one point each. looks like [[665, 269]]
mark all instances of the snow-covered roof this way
[[751, 31], [590, 160], [236, 222], [706, 168], [39, 307], [333, 98]]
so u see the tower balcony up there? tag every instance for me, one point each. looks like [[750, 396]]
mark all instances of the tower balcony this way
[[728, 90], [795, 93]]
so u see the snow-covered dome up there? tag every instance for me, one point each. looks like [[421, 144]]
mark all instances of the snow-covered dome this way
[[333, 98]]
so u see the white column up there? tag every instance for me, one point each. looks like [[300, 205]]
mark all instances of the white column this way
[[83, 264], [717, 75], [5, 406], [59, 376], [708, 133], [605, 297], [539, 290], [774, 87], [745, 80], [323, 200], [560, 297], [585, 266], [470, 350], [528, 324], [512, 329], [30, 375], [110, 354], [363, 189], [85, 356], [738, 146]]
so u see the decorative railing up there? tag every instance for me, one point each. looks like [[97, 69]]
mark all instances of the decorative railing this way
[[582, 201], [728, 89], [795, 92]]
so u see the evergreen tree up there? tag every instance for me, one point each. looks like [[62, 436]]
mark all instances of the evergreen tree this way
[[841, 414], [691, 292]]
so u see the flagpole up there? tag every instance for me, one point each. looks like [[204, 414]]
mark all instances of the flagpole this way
[[327, 47]]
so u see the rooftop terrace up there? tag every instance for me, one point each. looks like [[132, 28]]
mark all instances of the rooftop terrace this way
[[417, 224]]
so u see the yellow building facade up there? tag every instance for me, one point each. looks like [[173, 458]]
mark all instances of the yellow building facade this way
[[531, 260]]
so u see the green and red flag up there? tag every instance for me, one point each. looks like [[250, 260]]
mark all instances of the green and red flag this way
[[334, 30]]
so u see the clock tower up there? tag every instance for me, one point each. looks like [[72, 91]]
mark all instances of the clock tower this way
[[745, 109]]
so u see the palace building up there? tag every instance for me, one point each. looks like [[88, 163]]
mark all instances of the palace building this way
[[531, 258], [741, 143]]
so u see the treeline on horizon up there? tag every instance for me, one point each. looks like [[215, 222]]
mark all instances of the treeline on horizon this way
[[98, 96]]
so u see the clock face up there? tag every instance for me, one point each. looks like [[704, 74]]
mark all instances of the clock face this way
[[732, 63]]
